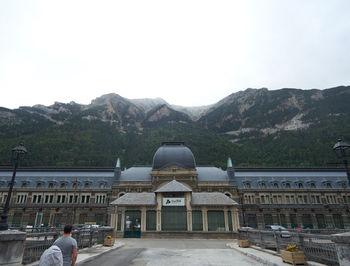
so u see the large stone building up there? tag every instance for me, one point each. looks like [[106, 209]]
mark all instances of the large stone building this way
[[174, 194]]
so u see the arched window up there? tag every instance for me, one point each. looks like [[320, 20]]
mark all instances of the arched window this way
[[288, 185], [300, 185], [121, 194], [228, 195], [275, 185]]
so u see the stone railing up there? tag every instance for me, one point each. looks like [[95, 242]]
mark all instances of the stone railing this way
[[321, 248], [36, 243]]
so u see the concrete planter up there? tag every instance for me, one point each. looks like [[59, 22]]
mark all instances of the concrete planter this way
[[243, 243], [293, 257], [109, 242]]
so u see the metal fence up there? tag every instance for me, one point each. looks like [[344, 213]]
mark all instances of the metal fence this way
[[317, 247], [37, 243]]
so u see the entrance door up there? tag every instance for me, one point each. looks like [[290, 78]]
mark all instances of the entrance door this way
[[132, 224], [174, 219]]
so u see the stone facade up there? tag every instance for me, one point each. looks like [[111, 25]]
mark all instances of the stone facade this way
[[293, 197]]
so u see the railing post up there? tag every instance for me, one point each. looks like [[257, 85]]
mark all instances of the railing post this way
[[90, 237], [301, 241], [277, 241], [262, 245]]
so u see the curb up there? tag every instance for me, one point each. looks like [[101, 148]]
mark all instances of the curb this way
[[264, 261], [257, 258], [92, 257], [36, 263]]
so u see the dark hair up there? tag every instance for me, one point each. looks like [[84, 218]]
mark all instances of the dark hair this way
[[67, 229]]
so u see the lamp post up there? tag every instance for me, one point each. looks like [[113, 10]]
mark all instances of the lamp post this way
[[17, 152], [342, 150], [241, 193]]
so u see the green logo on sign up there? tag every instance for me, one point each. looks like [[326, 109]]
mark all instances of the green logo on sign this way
[[167, 202]]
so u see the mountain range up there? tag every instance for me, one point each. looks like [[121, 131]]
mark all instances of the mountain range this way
[[255, 127]]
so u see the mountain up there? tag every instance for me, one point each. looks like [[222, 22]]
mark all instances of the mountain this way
[[256, 127]]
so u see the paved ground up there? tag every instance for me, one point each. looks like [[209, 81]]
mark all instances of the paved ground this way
[[172, 252]]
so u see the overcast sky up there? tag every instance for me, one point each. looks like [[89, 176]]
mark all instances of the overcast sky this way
[[189, 53]]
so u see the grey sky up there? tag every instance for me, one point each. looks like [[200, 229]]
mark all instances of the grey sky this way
[[187, 52]]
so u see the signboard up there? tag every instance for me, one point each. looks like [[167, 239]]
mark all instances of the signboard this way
[[173, 202]]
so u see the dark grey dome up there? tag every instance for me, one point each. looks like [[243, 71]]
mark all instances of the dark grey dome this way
[[171, 153]]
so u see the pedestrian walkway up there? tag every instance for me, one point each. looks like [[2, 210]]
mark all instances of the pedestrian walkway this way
[[264, 256], [87, 254]]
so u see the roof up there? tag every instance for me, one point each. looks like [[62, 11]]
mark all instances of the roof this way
[[136, 174], [320, 179], [173, 186], [173, 153], [211, 198], [95, 179], [211, 173], [133, 198]]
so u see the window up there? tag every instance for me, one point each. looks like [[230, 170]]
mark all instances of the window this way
[[279, 199], [48, 198], [300, 185], [331, 199], [318, 199], [274, 199], [287, 199], [38, 185], [228, 195], [287, 185], [305, 199], [328, 185], [21, 198], [262, 199], [24, 184], [50, 185], [63, 185], [300, 199], [275, 185], [247, 185], [61, 198], [100, 198], [292, 199], [312, 185], [86, 185], [102, 185], [36, 198], [85, 198], [262, 185]]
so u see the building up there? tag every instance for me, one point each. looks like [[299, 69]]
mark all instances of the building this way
[[174, 194]]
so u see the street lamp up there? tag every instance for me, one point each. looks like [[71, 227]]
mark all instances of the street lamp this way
[[241, 193], [342, 150], [17, 152]]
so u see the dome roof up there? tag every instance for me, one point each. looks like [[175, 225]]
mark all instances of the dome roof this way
[[171, 153]]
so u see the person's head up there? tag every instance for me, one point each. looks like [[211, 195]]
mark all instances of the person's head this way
[[67, 229]]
